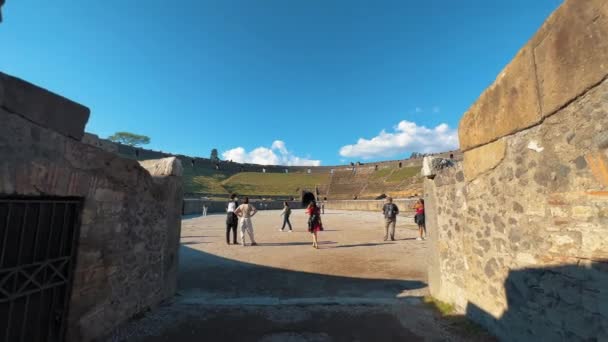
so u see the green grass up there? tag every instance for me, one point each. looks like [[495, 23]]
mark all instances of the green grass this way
[[403, 173], [458, 322], [380, 174], [255, 183], [442, 307], [204, 180]]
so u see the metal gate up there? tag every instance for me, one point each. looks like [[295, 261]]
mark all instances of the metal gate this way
[[38, 240]]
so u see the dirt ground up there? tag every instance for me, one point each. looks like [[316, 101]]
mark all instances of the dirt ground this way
[[356, 287]]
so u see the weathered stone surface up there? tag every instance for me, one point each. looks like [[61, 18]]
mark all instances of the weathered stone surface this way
[[163, 167], [507, 106], [571, 52], [94, 140], [482, 159], [520, 243], [129, 227], [42, 107], [565, 58]]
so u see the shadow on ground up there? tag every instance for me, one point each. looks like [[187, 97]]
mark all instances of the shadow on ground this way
[[210, 275]]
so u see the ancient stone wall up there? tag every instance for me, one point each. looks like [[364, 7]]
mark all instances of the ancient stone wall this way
[[127, 248], [519, 230], [404, 205], [139, 153], [194, 206]]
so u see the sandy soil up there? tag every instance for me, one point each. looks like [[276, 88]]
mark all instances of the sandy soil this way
[[356, 287]]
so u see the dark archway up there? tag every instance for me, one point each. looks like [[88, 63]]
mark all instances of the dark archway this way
[[307, 197]]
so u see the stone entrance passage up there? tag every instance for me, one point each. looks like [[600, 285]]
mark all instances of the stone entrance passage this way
[[356, 287], [37, 240]]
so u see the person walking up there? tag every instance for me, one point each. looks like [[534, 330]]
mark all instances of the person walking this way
[[246, 211], [314, 222], [204, 209], [286, 213], [231, 219], [419, 218], [390, 211]]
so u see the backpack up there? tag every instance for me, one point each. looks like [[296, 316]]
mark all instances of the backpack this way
[[391, 211]]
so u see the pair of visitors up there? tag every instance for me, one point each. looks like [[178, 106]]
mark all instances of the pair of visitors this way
[[315, 224], [286, 213], [245, 212]]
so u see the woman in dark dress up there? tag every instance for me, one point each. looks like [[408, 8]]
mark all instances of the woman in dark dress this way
[[314, 222]]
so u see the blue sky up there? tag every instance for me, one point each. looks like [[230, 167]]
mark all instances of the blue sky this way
[[292, 82]]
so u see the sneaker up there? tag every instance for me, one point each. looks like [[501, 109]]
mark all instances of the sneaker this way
[[392, 239], [254, 244], [291, 231], [418, 239], [280, 229]]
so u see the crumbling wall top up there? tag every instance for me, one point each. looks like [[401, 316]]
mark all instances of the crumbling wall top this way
[[43, 107]]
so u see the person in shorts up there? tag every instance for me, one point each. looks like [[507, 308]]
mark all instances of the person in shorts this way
[[419, 218]]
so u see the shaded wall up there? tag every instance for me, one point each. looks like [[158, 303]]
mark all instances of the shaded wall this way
[[518, 232], [130, 220]]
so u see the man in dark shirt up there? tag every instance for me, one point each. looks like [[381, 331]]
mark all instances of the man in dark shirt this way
[[390, 211]]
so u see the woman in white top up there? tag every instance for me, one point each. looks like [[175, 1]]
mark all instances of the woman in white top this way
[[246, 211]]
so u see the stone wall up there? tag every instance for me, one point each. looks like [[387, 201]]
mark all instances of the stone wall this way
[[405, 205], [130, 221], [519, 230], [194, 206], [139, 153]]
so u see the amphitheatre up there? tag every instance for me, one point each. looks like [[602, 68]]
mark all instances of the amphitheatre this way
[[106, 242]]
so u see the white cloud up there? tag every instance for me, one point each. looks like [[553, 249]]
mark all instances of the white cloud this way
[[407, 137], [277, 154]]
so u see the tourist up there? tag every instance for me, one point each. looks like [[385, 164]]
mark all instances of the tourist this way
[[246, 211], [204, 209], [323, 205], [314, 222], [390, 211], [285, 213], [419, 218], [231, 219]]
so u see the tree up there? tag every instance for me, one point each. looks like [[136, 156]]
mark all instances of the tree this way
[[130, 139], [214, 156]]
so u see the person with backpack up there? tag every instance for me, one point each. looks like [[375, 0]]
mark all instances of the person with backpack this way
[[390, 211], [285, 213], [314, 222], [231, 219], [246, 211]]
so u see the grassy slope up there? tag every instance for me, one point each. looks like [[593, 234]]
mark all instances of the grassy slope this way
[[204, 180], [401, 174], [255, 183], [209, 181]]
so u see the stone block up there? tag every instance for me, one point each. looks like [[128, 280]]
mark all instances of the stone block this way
[[482, 159], [570, 52], [163, 167], [509, 105], [43, 107]]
